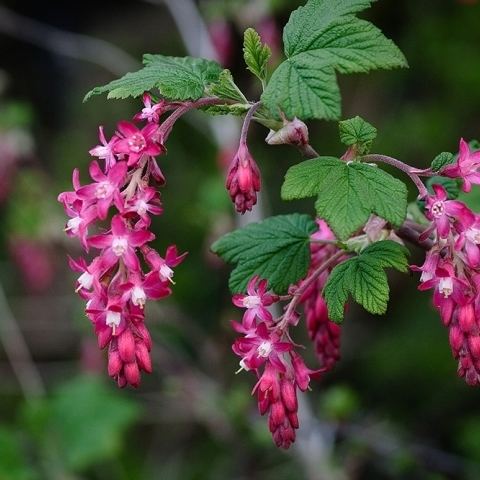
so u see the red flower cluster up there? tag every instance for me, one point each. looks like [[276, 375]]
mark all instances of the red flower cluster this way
[[115, 283], [452, 266]]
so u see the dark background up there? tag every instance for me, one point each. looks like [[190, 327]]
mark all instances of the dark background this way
[[392, 409]]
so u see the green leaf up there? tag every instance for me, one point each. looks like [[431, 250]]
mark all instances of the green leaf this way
[[176, 78], [237, 109], [90, 420], [442, 160], [451, 185], [356, 131], [363, 277], [225, 87], [255, 53], [276, 249], [320, 38], [347, 192]]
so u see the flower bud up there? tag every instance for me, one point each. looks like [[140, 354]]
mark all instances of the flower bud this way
[[143, 357], [474, 346], [456, 339], [289, 396], [243, 180], [466, 317], [114, 363], [293, 132], [126, 346], [132, 374]]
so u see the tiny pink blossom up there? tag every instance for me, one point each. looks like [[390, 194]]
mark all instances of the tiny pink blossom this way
[[105, 151], [466, 167], [443, 212], [151, 111], [121, 244], [103, 191], [255, 302], [135, 143]]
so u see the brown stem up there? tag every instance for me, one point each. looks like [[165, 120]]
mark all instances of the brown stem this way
[[406, 232], [308, 151], [305, 285]]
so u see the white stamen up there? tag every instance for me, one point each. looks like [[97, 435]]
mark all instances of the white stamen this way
[[142, 207], [243, 366], [104, 190], [445, 286], [138, 296], [251, 301], [166, 273], [113, 319], [73, 225], [426, 276], [438, 209], [264, 349], [119, 246], [137, 142], [85, 280]]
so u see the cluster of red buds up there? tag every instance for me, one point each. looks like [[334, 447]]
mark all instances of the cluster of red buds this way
[[127, 271], [324, 333]]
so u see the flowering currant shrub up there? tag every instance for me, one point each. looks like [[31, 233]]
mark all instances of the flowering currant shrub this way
[[290, 271]]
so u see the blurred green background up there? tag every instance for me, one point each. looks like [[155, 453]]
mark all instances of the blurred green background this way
[[393, 408]]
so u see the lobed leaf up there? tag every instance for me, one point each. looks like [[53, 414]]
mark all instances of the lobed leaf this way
[[176, 78], [442, 160], [348, 193], [320, 38], [356, 131], [256, 53], [276, 249], [363, 277]]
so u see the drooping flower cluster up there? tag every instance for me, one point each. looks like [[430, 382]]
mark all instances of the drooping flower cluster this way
[[324, 333], [267, 349], [126, 272], [452, 265]]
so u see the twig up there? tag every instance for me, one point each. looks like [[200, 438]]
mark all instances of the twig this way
[[247, 121], [305, 285], [18, 353], [68, 44], [410, 171]]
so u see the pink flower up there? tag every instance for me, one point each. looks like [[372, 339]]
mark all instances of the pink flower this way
[[152, 111], [255, 302], [449, 290], [103, 191], [265, 345], [429, 267], [164, 266], [90, 277], [146, 201], [135, 143], [243, 180], [121, 244], [466, 166], [105, 151], [443, 212], [469, 241], [138, 290], [80, 220]]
